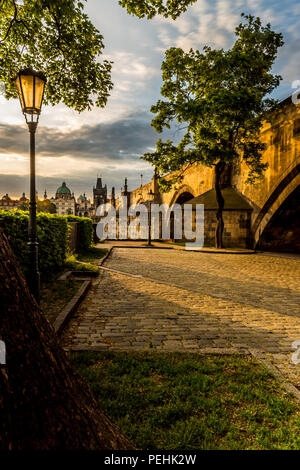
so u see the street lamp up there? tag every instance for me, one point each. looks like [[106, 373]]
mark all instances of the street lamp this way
[[31, 86], [151, 195]]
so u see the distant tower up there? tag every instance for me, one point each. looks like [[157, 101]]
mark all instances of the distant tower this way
[[113, 197], [99, 193], [155, 181], [45, 194], [125, 192]]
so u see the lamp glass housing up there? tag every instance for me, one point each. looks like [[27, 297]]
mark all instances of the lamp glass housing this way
[[31, 87]]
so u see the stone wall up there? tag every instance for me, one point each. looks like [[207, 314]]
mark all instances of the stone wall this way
[[73, 236], [236, 228], [236, 233], [282, 136]]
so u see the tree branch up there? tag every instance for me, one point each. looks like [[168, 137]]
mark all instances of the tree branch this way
[[12, 21]]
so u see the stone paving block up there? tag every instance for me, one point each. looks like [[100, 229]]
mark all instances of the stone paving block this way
[[206, 302]]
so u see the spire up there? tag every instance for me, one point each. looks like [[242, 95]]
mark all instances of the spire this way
[[113, 197], [155, 181], [99, 183], [45, 194]]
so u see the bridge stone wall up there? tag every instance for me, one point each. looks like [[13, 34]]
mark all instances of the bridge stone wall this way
[[282, 137], [281, 179]]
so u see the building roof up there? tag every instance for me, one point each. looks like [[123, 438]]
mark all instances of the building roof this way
[[63, 189], [233, 201]]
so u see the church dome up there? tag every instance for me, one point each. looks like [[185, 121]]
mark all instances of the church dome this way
[[63, 189]]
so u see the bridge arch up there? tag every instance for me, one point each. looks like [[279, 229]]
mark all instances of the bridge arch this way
[[140, 201], [184, 194], [282, 233], [288, 184]]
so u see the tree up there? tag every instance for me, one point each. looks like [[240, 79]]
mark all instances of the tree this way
[[44, 403], [219, 97], [24, 206], [57, 37], [46, 206]]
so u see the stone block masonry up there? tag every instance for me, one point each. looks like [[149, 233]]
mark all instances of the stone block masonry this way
[[171, 300]]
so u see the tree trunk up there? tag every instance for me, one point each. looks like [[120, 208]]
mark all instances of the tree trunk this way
[[219, 168], [44, 403]]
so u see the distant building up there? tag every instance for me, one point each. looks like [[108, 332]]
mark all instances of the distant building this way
[[84, 207], [64, 201], [99, 193], [112, 199], [7, 203], [23, 198]]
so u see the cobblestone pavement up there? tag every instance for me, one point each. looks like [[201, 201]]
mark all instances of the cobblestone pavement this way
[[187, 301]]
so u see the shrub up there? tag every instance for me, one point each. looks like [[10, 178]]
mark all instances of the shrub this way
[[85, 230], [52, 234]]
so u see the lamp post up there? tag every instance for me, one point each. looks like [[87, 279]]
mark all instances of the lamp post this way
[[151, 194], [31, 86]]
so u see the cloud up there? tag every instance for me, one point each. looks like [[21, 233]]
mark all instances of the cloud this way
[[127, 138], [78, 155], [213, 22], [128, 64], [204, 23], [76, 146]]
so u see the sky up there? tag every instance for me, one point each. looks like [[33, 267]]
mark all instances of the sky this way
[[109, 142]]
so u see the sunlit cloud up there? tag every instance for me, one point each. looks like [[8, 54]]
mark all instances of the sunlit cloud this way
[[111, 140]]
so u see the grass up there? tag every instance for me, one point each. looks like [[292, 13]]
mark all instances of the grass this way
[[73, 264], [92, 255], [178, 401], [55, 295], [86, 260]]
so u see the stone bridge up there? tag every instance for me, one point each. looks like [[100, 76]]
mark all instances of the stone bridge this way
[[266, 213]]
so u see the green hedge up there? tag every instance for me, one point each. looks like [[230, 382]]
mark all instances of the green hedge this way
[[52, 233], [85, 230]]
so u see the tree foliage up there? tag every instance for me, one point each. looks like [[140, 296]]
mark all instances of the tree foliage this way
[[219, 99], [58, 38], [150, 8], [52, 232]]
